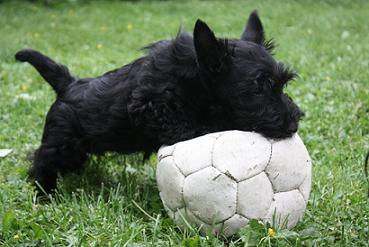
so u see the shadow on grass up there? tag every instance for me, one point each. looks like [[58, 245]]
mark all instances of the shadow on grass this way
[[115, 177]]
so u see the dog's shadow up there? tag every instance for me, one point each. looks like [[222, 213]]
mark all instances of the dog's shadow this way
[[129, 178]]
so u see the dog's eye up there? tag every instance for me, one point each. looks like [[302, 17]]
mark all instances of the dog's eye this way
[[271, 82], [259, 88]]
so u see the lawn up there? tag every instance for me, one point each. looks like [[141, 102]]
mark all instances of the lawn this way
[[115, 201]]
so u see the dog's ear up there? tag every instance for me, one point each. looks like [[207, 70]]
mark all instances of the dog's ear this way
[[209, 50], [254, 31]]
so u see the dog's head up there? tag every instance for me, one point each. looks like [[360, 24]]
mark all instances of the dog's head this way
[[247, 80]]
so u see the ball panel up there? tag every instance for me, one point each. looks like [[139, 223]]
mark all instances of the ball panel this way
[[170, 189], [205, 228], [288, 206], [215, 229], [165, 151], [305, 187], [210, 195], [215, 135], [179, 218], [234, 224], [168, 210], [287, 167], [254, 196], [241, 154], [194, 154]]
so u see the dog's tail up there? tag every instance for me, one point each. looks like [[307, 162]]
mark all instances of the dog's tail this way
[[56, 75]]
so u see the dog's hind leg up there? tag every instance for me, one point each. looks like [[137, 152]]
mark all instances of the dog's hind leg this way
[[53, 159], [62, 149]]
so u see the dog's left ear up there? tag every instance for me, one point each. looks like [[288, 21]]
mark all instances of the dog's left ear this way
[[209, 50], [254, 31]]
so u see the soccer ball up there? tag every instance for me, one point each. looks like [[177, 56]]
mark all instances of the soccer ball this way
[[220, 181]]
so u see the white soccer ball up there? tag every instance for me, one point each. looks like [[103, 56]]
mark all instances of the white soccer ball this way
[[220, 181]]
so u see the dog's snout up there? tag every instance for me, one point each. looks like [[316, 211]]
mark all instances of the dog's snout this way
[[292, 127]]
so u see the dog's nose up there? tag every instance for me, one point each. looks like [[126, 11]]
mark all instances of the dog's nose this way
[[292, 128]]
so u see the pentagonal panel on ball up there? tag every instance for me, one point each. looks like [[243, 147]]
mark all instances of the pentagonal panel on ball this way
[[241, 154], [234, 224], [210, 195], [170, 181], [288, 166], [254, 196], [286, 207], [194, 154]]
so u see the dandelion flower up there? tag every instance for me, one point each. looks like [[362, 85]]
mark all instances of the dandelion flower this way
[[24, 87], [271, 232], [129, 27]]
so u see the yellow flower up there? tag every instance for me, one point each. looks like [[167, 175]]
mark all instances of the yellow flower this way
[[24, 87], [271, 232], [16, 236], [129, 27], [99, 46]]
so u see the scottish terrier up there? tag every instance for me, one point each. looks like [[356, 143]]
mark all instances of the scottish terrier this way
[[182, 88]]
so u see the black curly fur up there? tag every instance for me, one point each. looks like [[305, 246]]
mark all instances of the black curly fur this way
[[181, 89]]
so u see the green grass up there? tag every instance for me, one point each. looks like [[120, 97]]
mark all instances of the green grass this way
[[110, 204]]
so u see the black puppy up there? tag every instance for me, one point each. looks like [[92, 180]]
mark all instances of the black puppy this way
[[182, 88]]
